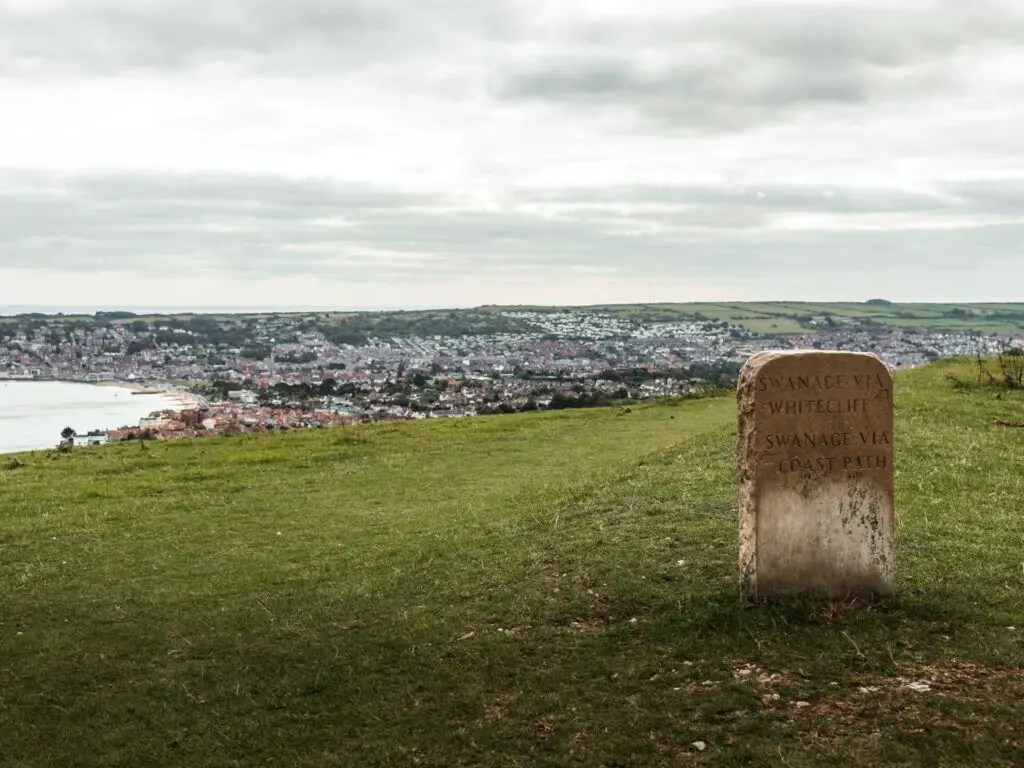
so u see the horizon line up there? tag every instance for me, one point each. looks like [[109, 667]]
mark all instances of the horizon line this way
[[89, 310]]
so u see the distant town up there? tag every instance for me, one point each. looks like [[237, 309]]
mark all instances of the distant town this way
[[253, 372]]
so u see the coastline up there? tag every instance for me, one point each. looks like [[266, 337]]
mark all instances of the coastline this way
[[34, 412], [186, 400]]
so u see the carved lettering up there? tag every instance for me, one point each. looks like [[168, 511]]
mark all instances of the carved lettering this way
[[823, 464], [808, 439], [823, 382], [828, 464], [862, 463], [875, 438], [801, 450], [816, 469], [812, 407]]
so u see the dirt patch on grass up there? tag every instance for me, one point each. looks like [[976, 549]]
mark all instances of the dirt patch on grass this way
[[744, 671], [875, 698], [968, 681]]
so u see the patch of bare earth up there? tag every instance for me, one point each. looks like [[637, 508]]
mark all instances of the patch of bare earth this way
[[907, 699]]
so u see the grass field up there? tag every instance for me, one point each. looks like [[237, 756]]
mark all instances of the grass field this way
[[780, 317], [547, 589], [768, 318]]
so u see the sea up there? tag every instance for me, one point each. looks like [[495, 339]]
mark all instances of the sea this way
[[33, 413]]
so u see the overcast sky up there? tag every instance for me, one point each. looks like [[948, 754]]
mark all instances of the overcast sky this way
[[387, 153]]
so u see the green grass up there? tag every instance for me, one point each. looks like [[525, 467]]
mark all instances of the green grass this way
[[771, 325], [778, 317], [768, 318], [547, 589]]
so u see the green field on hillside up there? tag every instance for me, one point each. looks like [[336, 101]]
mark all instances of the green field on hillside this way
[[768, 318], [780, 317], [547, 589]]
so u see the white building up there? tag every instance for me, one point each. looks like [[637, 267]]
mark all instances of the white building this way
[[93, 438]]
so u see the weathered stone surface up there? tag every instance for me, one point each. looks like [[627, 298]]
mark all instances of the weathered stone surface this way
[[816, 475]]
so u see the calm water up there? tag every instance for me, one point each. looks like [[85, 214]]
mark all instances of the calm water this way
[[32, 414]]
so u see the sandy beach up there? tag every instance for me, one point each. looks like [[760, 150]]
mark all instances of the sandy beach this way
[[187, 400]]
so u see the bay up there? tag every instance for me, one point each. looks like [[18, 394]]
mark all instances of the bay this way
[[33, 413]]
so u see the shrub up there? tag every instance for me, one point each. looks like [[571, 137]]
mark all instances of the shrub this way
[[1011, 370]]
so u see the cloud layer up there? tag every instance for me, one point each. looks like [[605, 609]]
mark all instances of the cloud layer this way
[[390, 152]]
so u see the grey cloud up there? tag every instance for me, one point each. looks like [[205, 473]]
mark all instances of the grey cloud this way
[[228, 190], [293, 36], [742, 67], [727, 70], [1004, 196], [768, 197], [734, 92], [205, 221], [702, 211], [262, 226], [698, 97], [881, 34]]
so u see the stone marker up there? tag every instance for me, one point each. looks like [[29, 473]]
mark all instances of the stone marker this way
[[815, 466]]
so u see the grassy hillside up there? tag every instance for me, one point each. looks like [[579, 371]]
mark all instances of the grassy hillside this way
[[779, 317], [768, 318], [546, 589]]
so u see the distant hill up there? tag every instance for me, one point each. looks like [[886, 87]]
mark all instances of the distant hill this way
[[545, 589], [769, 318], [780, 317]]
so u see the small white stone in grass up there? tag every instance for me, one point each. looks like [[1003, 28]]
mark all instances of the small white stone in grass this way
[[802, 704], [680, 562], [743, 672], [919, 686], [632, 621], [278, 533], [868, 689], [1012, 629], [700, 746]]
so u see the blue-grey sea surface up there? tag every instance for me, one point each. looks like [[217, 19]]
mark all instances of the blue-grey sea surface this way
[[33, 413]]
